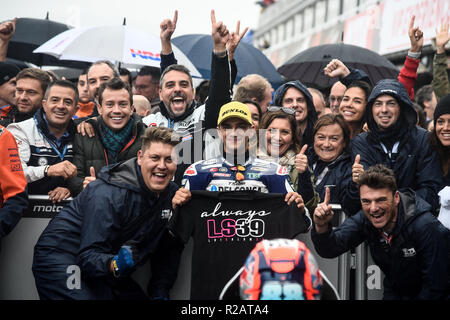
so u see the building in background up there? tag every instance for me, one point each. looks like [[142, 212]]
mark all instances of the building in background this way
[[287, 27]]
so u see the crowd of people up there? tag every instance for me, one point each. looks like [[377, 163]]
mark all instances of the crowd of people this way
[[130, 151]]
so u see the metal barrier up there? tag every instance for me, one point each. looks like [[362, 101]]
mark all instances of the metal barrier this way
[[16, 254], [16, 258]]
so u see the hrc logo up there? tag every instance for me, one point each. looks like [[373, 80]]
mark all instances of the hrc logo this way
[[145, 55]]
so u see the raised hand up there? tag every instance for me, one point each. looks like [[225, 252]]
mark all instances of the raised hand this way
[[219, 33], [7, 30], [323, 213], [336, 68], [234, 40], [357, 169], [442, 38], [167, 28], [90, 178], [415, 36], [301, 160]]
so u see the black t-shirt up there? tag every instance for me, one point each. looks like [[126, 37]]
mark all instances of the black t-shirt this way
[[226, 226]]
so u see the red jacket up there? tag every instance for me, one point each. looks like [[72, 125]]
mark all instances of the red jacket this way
[[408, 75]]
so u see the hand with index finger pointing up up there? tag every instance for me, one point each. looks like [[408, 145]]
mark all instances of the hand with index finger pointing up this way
[[323, 213]]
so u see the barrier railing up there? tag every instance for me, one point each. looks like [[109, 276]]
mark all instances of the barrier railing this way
[[16, 258]]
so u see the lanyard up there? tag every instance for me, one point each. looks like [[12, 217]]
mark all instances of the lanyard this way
[[394, 149], [321, 175], [62, 154]]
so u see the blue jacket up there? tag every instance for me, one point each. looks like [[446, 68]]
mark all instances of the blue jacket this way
[[415, 164], [114, 209], [417, 263]]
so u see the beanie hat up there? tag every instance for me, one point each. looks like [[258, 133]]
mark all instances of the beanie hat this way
[[443, 107], [7, 72]]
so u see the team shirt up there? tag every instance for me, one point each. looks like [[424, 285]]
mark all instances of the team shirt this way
[[218, 174], [225, 227]]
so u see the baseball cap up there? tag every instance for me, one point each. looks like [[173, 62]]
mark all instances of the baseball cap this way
[[234, 109], [7, 72]]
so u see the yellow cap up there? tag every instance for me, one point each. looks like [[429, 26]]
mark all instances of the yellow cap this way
[[234, 109]]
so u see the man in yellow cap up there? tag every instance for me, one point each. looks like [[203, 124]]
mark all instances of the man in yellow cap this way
[[237, 168], [225, 224]]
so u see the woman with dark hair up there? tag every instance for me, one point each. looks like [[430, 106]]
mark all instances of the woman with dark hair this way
[[255, 110], [440, 136], [440, 140], [353, 106], [331, 162], [282, 144]]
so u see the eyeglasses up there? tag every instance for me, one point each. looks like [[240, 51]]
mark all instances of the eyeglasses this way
[[335, 99], [284, 109]]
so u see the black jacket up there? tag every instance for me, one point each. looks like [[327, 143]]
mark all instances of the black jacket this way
[[308, 135], [91, 152], [339, 176], [416, 164], [114, 209], [416, 266]]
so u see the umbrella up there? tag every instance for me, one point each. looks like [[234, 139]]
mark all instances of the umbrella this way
[[30, 34], [120, 44], [308, 65], [198, 48]]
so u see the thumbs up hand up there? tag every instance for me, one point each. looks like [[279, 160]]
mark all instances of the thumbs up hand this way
[[90, 178], [301, 160], [323, 213], [357, 169]]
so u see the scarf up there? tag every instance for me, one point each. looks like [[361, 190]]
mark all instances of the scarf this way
[[114, 142]]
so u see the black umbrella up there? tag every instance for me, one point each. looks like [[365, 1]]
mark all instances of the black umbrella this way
[[30, 34], [198, 48], [308, 65]]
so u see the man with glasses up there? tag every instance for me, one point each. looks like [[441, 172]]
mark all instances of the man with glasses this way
[[336, 94], [395, 141]]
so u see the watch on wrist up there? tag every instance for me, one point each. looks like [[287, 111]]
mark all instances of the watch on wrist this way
[[414, 55]]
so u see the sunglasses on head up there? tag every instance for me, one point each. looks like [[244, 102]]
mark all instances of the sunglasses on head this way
[[284, 109]]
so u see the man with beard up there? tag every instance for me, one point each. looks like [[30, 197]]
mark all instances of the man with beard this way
[[178, 109], [31, 84], [45, 140], [395, 141], [406, 241]]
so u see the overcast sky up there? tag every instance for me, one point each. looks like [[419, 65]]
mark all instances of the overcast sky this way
[[193, 15]]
